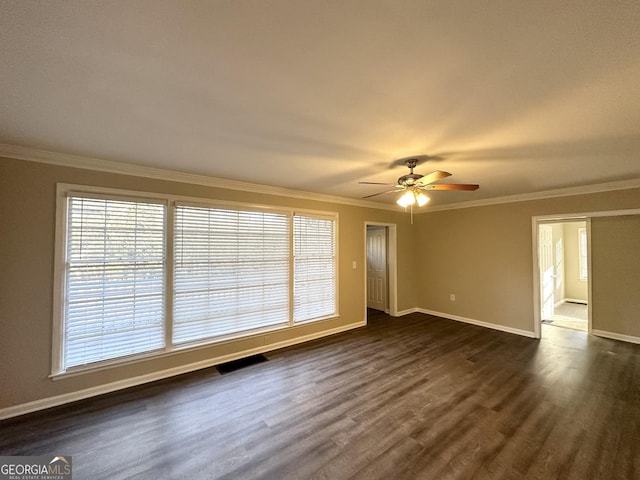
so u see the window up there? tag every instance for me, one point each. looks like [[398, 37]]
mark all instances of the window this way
[[145, 276], [314, 275], [231, 272], [114, 302], [582, 252]]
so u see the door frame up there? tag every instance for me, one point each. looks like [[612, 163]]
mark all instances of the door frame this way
[[562, 218], [392, 265]]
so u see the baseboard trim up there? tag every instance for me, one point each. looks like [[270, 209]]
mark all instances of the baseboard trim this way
[[616, 336], [479, 323], [55, 401], [575, 300], [408, 311]]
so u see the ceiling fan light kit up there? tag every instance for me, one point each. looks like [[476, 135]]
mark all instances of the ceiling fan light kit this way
[[412, 185], [411, 197]]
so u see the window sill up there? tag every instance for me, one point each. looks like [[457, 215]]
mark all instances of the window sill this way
[[176, 350]]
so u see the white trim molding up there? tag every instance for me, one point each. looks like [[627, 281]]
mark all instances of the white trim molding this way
[[525, 197], [18, 152], [392, 266], [408, 311], [479, 323], [58, 400], [616, 336]]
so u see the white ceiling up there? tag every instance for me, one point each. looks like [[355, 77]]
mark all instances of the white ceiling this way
[[519, 96]]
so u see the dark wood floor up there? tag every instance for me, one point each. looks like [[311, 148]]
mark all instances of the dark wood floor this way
[[413, 397]]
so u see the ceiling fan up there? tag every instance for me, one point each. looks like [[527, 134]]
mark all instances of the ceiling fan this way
[[413, 185]]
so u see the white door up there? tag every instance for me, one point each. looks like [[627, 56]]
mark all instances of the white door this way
[[547, 284], [377, 268]]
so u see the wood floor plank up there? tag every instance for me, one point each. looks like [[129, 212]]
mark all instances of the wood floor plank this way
[[402, 398]]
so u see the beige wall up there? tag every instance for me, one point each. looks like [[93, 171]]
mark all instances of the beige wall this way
[[484, 256], [575, 288], [615, 265], [27, 213]]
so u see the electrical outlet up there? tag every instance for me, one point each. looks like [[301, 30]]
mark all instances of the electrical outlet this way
[[452, 297]]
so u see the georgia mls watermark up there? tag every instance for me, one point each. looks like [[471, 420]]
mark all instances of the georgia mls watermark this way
[[42, 467]]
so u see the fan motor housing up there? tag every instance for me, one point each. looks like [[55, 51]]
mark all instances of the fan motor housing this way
[[409, 179]]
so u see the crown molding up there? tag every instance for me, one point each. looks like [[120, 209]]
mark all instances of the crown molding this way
[[19, 152], [30, 154], [525, 197]]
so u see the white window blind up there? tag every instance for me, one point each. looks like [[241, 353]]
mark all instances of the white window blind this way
[[231, 271], [314, 254], [145, 276], [115, 277]]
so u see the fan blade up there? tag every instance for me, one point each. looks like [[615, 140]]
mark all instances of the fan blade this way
[[381, 193], [432, 177], [450, 186], [376, 183]]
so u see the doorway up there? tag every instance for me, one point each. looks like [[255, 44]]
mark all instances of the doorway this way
[[380, 268], [563, 265], [377, 271]]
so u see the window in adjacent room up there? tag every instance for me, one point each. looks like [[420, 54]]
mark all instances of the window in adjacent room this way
[[582, 252]]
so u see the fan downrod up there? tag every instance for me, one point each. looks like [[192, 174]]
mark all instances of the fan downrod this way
[[411, 178], [411, 163]]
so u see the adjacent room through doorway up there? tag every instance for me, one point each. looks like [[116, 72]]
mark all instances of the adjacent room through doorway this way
[[564, 274]]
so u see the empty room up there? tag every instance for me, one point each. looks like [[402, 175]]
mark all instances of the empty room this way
[[319, 240]]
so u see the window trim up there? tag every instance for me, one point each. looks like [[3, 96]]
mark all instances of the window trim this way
[[64, 190]]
